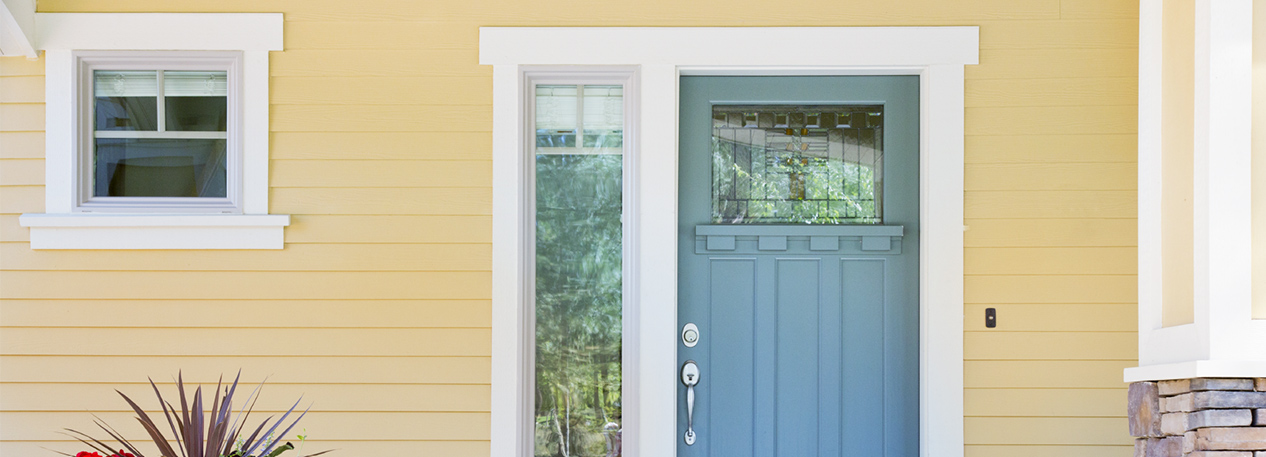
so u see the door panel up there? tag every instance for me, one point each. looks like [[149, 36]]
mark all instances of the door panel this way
[[808, 332]]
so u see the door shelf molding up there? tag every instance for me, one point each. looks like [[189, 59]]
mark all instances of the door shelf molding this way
[[799, 230]]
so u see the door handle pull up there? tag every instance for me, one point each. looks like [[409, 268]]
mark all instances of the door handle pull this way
[[690, 377]]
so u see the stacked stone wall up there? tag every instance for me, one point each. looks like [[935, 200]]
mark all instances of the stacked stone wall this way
[[1202, 417]]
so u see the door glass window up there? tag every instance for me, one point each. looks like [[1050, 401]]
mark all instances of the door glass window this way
[[579, 306], [800, 164]]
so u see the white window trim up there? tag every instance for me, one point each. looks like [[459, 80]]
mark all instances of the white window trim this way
[[86, 62], [61, 35], [662, 55], [1224, 340]]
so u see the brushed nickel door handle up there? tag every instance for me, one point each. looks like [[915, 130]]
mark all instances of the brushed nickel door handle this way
[[690, 377]]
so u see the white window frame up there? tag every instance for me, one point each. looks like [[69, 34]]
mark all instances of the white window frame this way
[[1224, 340], [176, 38], [661, 55], [626, 77], [86, 62]]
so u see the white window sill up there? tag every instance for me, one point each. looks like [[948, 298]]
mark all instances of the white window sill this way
[[156, 231]]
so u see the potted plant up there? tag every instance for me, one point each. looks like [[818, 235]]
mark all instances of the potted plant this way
[[199, 432]]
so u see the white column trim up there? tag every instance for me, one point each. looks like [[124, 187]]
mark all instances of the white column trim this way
[[936, 54], [1224, 340]]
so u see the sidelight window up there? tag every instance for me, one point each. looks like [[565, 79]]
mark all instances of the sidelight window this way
[[578, 152]]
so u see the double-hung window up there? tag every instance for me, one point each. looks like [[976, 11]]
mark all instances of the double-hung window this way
[[156, 131], [161, 133]]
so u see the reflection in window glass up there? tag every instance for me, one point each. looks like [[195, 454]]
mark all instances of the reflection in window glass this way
[[159, 167], [579, 303], [126, 100], [140, 150], [797, 164], [196, 100]]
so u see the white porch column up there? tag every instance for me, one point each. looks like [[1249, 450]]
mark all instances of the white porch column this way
[[1224, 341]]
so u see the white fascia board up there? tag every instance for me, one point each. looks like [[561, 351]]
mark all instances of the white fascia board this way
[[915, 46], [144, 231], [17, 28], [160, 31]]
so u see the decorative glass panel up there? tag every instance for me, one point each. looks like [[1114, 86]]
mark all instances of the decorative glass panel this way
[[808, 164], [579, 306]]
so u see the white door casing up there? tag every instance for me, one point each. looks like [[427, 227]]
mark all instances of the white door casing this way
[[660, 55]]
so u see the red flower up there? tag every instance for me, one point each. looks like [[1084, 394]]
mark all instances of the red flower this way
[[87, 454], [122, 454]]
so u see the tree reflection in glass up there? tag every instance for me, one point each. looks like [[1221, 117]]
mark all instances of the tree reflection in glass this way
[[578, 271]]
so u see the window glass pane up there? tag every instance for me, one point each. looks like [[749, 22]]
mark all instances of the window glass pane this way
[[578, 277], [196, 100], [797, 164], [604, 116], [556, 116], [134, 167], [125, 100]]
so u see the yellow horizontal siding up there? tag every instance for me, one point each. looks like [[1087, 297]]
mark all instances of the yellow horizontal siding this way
[[993, 450], [1045, 402], [344, 447], [299, 257], [263, 313], [1030, 233], [21, 145], [1051, 289], [1073, 374], [429, 91], [378, 309], [279, 397], [1051, 176], [1064, 147], [1027, 204], [1052, 92], [143, 284], [381, 173], [21, 89], [369, 425], [1047, 430], [381, 145], [1061, 317], [366, 370], [1049, 261], [305, 342]]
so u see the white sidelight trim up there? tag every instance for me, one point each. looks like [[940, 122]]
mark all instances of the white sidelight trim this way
[[1224, 340], [662, 55], [155, 36]]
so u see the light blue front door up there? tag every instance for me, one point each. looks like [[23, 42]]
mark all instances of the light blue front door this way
[[798, 259]]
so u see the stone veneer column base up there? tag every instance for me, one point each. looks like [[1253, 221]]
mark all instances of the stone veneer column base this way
[[1202, 417]]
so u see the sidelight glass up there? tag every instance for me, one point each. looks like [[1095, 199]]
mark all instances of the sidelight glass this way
[[579, 306], [160, 134], [799, 164]]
